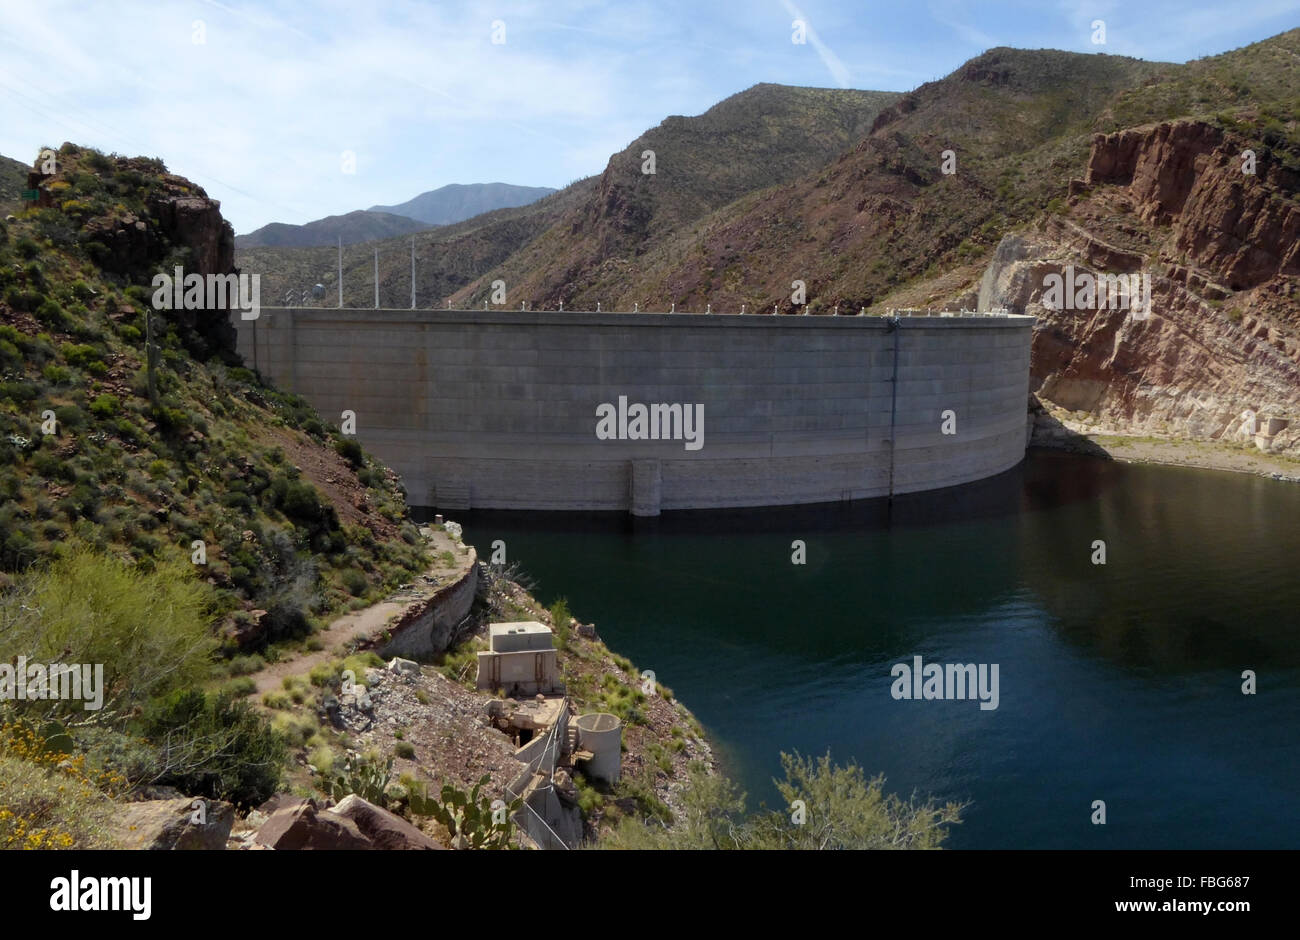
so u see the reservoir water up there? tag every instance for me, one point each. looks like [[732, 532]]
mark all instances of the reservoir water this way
[[1119, 682]]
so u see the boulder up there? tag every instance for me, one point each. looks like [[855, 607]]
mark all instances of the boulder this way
[[184, 823], [300, 826], [403, 667], [382, 828]]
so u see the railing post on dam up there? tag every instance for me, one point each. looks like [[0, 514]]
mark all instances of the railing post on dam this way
[[894, 327]]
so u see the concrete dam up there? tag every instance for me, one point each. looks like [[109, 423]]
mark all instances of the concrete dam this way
[[647, 412]]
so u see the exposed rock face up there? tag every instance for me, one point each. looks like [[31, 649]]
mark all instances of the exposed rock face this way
[[301, 826], [170, 824], [1244, 228], [1219, 355], [382, 828], [352, 824]]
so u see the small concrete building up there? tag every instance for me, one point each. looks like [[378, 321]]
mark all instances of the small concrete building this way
[[521, 659]]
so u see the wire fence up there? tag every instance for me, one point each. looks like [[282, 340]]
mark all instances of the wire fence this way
[[362, 276]]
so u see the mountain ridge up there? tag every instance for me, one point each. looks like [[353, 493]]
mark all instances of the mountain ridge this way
[[456, 202]]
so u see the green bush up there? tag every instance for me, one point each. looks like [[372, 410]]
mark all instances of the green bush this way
[[20, 299], [69, 417], [560, 617], [284, 621], [57, 375], [351, 451], [150, 630], [845, 810], [216, 746], [105, 406], [19, 391], [52, 315], [354, 581]]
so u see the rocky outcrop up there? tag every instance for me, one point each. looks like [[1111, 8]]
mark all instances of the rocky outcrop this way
[[180, 823], [383, 829], [1187, 369], [1219, 355], [164, 217], [1188, 174], [301, 826]]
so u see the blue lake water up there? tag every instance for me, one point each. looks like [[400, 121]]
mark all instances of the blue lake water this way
[[1118, 682]]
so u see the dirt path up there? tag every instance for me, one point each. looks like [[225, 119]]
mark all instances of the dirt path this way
[[372, 620]]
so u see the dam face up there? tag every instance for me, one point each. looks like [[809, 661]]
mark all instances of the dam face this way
[[501, 410]]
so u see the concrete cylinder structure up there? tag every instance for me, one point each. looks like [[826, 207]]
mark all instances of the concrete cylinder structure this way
[[602, 734], [650, 412]]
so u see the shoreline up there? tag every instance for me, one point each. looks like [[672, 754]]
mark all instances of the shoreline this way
[[1172, 452]]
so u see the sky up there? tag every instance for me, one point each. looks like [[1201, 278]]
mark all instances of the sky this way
[[290, 111]]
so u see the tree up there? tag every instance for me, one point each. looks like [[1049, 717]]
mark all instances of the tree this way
[[841, 809]]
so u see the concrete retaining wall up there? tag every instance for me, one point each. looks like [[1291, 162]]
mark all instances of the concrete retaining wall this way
[[494, 409], [426, 629]]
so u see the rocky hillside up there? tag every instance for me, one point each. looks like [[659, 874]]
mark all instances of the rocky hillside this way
[[297, 522], [1219, 358], [13, 180], [870, 210], [547, 251]]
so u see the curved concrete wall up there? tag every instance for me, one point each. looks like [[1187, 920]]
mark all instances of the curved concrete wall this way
[[493, 409]]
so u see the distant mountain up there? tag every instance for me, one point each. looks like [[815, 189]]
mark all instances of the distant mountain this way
[[359, 226], [456, 202], [448, 256]]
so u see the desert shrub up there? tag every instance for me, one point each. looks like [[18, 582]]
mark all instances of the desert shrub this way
[[21, 299], [216, 746], [19, 391], [560, 617], [846, 810], [105, 406], [285, 622], [350, 451], [81, 356], [149, 630], [58, 375], [69, 416], [354, 581], [52, 315]]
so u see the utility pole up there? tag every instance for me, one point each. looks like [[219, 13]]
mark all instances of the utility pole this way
[[376, 278], [340, 271], [412, 273]]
